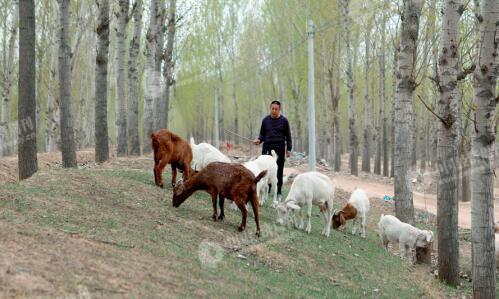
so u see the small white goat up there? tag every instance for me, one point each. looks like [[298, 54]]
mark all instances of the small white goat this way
[[356, 207], [269, 163], [308, 188], [262, 187], [205, 153], [391, 229]]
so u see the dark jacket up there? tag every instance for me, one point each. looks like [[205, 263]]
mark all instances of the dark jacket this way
[[276, 131]]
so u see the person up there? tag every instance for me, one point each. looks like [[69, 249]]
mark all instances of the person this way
[[275, 134]]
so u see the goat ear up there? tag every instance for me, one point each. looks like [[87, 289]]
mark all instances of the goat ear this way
[[293, 206], [342, 218]]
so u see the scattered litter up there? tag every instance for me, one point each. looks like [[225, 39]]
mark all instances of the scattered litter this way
[[387, 198], [376, 290], [241, 257]]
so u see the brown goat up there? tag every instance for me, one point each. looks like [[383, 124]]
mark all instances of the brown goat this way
[[340, 218], [227, 180], [169, 148]]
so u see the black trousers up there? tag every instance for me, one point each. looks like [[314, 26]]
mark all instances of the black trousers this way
[[280, 150]]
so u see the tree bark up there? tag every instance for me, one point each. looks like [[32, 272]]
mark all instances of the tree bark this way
[[404, 208], [133, 82], [383, 115], [158, 60], [366, 151], [121, 117], [169, 64], [352, 128], [66, 120], [483, 153], [447, 195], [27, 159], [151, 78], [101, 68]]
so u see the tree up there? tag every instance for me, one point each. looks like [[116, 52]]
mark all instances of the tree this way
[[383, 114], [169, 65], [67, 133], [448, 62], [121, 36], [483, 152], [151, 77], [6, 83], [352, 128], [101, 61], [366, 151], [27, 159], [406, 84], [133, 81]]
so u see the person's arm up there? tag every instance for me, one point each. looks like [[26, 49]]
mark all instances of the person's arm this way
[[262, 134], [289, 141]]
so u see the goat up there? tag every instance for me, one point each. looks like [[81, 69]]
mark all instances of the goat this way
[[269, 163], [205, 153], [308, 188], [391, 229], [225, 180], [262, 186], [356, 207], [169, 148]]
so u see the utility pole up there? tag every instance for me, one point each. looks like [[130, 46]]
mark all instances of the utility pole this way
[[311, 108]]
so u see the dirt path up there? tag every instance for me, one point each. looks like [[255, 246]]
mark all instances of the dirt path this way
[[421, 201]]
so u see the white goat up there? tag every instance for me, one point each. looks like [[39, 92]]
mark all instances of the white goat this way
[[308, 188], [269, 163], [391, 229], [356, 207], [205, 153], [262, 187]]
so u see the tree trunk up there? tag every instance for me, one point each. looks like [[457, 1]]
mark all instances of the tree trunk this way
[[383, 141], [133, 82], [483, 153], [352, 128], [101, 62], [121, 36], [465, 162], [404, 208], [8, 64], [423, 135], [151, 78], [27, 159], [66, 120], [394, 76], [169, 65], [447, 197], [366, 151], [158, 60]]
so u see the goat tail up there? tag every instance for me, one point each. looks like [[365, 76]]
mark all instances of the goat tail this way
[[274, 154], [260, 176], [192, 141]]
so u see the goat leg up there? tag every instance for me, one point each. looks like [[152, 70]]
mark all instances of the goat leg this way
[[174, 175], [221, 202], [254, 204], [214, 202], [240, 204]]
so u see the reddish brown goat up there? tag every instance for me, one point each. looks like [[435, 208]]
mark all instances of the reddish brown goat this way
[[340, 218], [227, 180], [169, 148]]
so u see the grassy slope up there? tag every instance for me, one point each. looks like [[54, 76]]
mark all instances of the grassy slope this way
[[113, 232]]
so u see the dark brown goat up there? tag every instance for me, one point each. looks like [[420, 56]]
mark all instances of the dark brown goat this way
[[227, 180], [340, 217], [169, 148]]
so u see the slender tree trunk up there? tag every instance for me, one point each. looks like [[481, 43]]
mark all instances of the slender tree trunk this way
[[151, 78], [366, 151], [447, 195], [8, 64], [465, 162], [133, 82], [27, 159], [352, 128], [383, 114], [394, 70], [483, 153], [101, 62], [169, 64], [158, 60], [121, 36], [67, 133], [406, 85]]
